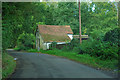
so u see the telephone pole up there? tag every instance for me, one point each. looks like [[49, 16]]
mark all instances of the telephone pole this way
[[119, 14], [80, 23]]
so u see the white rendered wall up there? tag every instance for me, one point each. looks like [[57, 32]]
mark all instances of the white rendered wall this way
[[47, 45], [70, 36]]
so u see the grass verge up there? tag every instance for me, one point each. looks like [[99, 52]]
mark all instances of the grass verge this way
[[0, 67], [82, 58], [17, 49], [8, 65]]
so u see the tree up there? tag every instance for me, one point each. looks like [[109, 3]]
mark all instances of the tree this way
[[18, 18], [66, 13], [24, 17]]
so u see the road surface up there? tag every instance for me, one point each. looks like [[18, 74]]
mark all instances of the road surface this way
[[37, 65]]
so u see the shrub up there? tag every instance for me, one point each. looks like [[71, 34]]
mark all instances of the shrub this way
[[26, 41], [96, 45], [8, 65], [78, 49], [66, 47], [71, 45], [100, 49], [53, 45], [17, 49], [105, 50], [33, 50], [113, 35], [97, 34], [74, 43]]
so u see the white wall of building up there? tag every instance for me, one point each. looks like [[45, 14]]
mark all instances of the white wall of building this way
[[70, 36], [47, 45]]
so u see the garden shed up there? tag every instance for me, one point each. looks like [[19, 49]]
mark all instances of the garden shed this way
[[46, 34]]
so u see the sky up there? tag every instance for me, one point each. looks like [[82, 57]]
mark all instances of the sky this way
[[112, 0], [76, 0]]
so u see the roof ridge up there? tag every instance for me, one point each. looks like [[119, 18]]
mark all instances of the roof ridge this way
[[55, 25]]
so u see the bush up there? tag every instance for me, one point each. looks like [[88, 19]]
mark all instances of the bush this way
[[78, 49], [97, 47], [97, 34], [17, 49], [8, 65], [25, 41], [53, 45], [74, 43], [33, 50], [113, 35], [100, 49], [66, 47], [71, 45]]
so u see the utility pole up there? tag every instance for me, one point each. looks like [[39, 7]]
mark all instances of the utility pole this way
[[119, 14], [80, 23]]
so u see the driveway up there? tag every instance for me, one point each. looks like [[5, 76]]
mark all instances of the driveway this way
[[38, 65]]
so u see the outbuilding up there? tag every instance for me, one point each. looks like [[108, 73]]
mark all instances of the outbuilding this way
[[46, 34]]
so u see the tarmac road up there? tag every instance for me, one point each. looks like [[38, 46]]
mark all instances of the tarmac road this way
[[37, 65]]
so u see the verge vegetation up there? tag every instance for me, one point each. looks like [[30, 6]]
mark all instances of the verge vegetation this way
[[8, 65], [82, 58]]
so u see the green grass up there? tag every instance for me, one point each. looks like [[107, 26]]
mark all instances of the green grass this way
[[17, 48], [8, 65], [0, 67], [82, 58]]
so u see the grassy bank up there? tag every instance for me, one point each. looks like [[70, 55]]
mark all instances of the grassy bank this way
[[0, 67], [8, 65], [82, 58]]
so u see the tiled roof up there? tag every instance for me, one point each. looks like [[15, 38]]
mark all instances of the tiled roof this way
[[55, 33]]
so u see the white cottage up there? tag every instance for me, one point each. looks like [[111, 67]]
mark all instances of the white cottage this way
[[46, 34]]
